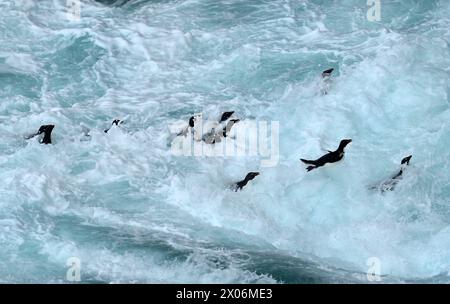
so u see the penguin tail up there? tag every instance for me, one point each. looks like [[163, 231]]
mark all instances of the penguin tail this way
[[308, 162]]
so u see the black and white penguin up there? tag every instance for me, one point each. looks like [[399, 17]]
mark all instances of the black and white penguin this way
[[325, 85], [192, 121], [239, 185], [116, 122], [330, 157], [390, 184], [226, 130], [327, 73], [214, 136], [47, 130], [190, 125]]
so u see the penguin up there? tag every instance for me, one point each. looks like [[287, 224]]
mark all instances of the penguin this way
[[325, 85], [225, 116], [47, 130], [191, 125], [239, 185], [226, 130], [115, 122], [215, 137], [327, 73], [390, 184], [330, 157], [192, 121]]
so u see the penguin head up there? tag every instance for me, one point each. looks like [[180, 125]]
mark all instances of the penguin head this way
[[406, 160], [45, 129], [191, 121], [344, 143], [194, 119], [251, 175], [225, 116]]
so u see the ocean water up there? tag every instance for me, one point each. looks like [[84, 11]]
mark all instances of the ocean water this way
[[131, 211]]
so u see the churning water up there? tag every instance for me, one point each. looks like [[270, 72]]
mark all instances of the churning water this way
[[132, 211]]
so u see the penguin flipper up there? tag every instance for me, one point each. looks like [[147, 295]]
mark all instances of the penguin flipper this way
[[31, 136], [183, 132]]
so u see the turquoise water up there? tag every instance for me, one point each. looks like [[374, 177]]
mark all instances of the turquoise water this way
[[131, 211]]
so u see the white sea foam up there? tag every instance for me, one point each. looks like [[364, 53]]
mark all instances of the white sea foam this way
[[132, 211]]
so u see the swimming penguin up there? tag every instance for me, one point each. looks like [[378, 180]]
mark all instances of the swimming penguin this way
[[330, 157], [191, 121], [243, 183], [327, 73], [390, 184], [216, 136], [115, 122], [325, 85], [191, 125], [226, 130], [47, 130], [225, 116]]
